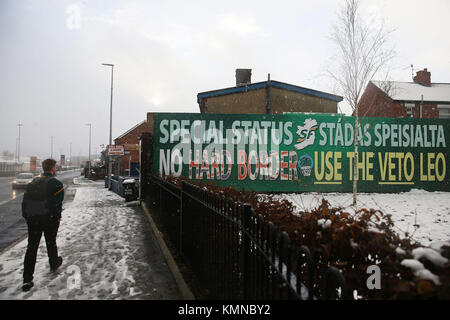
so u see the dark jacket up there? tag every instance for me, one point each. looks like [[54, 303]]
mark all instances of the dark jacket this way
[[55, 193]]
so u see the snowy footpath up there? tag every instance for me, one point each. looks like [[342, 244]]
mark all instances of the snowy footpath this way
[[425, 216], [109, 252]]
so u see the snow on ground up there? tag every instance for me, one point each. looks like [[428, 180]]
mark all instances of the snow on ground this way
[[106, 247], [83, 181], [429, 210]]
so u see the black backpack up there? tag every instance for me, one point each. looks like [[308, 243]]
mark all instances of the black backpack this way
[[36, 200]]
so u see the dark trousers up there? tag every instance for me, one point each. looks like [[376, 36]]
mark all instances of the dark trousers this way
[[35, 229]]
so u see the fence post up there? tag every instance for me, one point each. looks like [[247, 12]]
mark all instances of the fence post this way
[[304, 251], [160, 198], [284, 245], [181, 216], [246, 216], [337, 279]]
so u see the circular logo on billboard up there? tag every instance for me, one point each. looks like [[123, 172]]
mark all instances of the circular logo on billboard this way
[[306, 164]]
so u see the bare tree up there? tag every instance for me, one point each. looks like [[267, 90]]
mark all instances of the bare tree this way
[[361, 53]]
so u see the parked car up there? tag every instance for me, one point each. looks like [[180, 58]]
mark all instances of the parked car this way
[[22, 180]]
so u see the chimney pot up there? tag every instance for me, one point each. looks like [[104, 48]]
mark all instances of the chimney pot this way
[[423, 77], [243, 77]]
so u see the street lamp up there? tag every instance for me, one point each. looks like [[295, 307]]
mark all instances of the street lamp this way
[[110, 123], [89, 163]]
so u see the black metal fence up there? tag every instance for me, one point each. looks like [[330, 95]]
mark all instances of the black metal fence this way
[[116, 184], [233, 253]]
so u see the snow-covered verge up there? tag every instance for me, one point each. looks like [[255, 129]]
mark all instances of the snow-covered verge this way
[[108, 253], [421, 215]]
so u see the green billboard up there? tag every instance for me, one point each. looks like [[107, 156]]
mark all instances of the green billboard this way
[[298, 152]]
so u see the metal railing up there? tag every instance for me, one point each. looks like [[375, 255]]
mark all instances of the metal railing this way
[[233, 252]]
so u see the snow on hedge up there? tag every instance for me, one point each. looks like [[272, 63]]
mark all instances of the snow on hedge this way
[[423, 216]]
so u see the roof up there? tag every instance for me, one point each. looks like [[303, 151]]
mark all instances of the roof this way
[[411, 91], [276, 84], [130, 130]]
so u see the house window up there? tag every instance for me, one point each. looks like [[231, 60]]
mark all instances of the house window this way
[[444, 111], [409, 110]]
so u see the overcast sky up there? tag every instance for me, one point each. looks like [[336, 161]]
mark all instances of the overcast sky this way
[[165, 52]]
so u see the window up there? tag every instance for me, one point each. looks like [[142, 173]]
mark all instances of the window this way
[[409, 110], [444, 111]]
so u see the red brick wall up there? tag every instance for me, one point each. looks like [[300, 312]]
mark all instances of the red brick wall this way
[[428, 111], [131, 137], [376, 103], [423, 77]]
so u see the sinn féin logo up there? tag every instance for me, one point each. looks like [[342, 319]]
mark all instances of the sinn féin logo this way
[[306, 164], [306, 134]]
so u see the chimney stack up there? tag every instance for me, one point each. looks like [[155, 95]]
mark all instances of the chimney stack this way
[[243, 77], [423, 77]]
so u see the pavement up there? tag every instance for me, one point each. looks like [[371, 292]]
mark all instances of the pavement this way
[[110, 250]]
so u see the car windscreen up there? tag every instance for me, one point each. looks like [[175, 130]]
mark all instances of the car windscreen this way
[[25, 176]]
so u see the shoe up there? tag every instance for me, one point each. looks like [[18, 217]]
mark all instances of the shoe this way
[[27, 286], [58, 263]]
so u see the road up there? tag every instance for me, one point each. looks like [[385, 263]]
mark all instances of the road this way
[[12, 225], [6, 192]]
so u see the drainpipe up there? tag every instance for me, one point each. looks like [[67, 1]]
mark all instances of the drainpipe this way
[[129, 167], [421, 107], [268, 94]]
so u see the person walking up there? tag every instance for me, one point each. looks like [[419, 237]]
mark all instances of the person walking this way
[[41, 208]]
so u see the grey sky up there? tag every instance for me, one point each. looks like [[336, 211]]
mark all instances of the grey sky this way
[[165, 52]]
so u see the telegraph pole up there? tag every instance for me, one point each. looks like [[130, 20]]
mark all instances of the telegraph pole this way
[[89, 163], [18, 146]]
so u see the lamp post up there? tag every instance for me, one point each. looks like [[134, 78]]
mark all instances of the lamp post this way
[[51, 147], [110, 124], [89, 163]]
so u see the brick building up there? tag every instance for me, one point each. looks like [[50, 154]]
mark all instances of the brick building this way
[[419, 99], [130, 141], [265, 97]]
